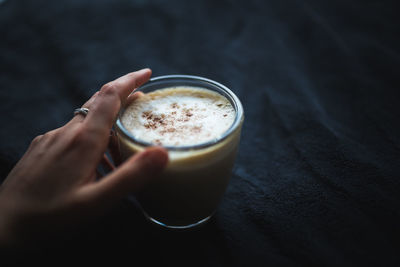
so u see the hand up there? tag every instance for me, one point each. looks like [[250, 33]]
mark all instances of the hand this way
[[54, 184]]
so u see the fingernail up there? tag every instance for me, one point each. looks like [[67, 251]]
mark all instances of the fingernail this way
[[156, 159], [144, 70]]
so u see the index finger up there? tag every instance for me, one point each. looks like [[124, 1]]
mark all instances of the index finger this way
[[110, 99]]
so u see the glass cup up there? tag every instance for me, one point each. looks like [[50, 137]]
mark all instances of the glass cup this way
[[188, 191]]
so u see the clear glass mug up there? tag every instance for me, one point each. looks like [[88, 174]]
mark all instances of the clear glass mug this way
[[195, 179]]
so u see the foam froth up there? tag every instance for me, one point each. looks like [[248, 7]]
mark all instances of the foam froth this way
[[179, 116]]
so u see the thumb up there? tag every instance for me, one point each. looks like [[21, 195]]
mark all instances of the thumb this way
[[129, 177]]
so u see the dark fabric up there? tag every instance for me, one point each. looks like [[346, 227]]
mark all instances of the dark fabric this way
[[316, 181]]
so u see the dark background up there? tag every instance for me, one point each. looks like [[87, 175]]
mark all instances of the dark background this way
[[316, 180]]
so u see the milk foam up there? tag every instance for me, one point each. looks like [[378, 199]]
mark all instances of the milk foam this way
[[179, 116]]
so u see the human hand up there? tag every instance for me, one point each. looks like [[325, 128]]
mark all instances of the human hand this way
[[54, 184]]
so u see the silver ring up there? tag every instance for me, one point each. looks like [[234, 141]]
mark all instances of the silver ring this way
[[83, 111]]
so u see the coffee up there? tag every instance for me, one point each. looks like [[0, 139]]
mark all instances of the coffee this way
[[199, 123], [179, 116]]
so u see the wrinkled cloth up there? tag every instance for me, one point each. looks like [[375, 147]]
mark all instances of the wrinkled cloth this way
[[316, 180]]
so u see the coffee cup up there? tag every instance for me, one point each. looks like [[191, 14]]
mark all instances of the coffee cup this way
[[188, 191]]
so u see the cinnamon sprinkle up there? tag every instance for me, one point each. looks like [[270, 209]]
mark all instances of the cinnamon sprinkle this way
[[174, 105], [166, 123]]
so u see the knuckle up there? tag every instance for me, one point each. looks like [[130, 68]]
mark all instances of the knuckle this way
[[36, 140], [109, 89], [49, 135], [45, 139], [108, 96]]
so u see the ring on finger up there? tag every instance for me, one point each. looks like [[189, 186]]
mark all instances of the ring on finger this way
[[82, 111]]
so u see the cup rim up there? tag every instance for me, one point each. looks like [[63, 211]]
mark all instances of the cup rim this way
[[237, 105]]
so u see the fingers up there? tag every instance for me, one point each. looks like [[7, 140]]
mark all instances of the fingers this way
[[131, 176], [81, 117], [106, 166], [133, 97], [106, 163], [113, 148], [111, 97]]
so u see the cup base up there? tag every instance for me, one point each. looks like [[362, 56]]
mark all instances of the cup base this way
[[134, 201], [176, 227]]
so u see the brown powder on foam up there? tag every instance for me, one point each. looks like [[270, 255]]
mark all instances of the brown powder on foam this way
[[170, 125], [166, 122], [154, 121]]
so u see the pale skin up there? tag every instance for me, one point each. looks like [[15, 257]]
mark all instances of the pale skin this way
[[54, 185]]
